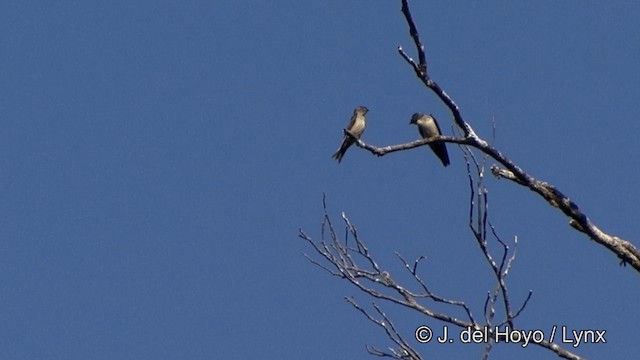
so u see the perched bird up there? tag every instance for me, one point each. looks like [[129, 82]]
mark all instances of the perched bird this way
[[428, 127], [356, 127]]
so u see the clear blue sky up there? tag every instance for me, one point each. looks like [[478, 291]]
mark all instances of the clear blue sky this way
[[158, 157]]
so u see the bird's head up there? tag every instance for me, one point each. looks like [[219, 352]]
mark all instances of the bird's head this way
[[362, 110], [415, 117]]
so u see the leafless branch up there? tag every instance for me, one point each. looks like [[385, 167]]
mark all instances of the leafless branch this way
[[623, 249], [478, 224], [358, 266], [404, 351], [427, 292]]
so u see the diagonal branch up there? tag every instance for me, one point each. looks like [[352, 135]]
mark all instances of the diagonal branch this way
[[405, 350], [413, 31], [623, 249]]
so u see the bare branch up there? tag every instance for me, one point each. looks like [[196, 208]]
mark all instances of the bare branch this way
[[421, 72], [428, 293], [343, 262], [623, 249], [405, 351], [413, 31]]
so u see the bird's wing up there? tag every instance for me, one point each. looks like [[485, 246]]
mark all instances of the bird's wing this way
[[437, 126], [352, 122]]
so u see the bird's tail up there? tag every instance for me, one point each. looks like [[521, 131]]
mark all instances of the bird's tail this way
[[440, 149], [338, 155]]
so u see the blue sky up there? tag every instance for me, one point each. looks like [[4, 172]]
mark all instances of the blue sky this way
[[158, 158]]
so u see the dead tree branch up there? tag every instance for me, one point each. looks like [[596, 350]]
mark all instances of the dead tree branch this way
[[623, 249], [357, 265]]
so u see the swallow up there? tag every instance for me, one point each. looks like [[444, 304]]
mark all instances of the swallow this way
[[356, 127], [428, 127]]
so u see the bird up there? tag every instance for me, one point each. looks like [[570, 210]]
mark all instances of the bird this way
[[356, 127], [428, 127]]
